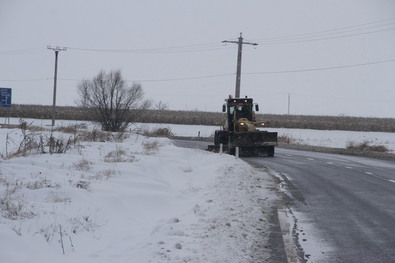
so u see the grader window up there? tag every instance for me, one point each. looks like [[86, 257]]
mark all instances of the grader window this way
[[242, 111]]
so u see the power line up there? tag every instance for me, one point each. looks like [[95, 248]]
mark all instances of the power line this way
[[204, 47], [166, 79], [336, 33], [225, 74], [333, 33], [138, 80], [341, 98], [341, 29], [186, 78], [346, 29], [320, 69], [325, 38], [268, 72], [29, 80], [175, 49], [316, 95], [24, 51]]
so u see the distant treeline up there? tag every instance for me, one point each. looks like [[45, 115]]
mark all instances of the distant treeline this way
[[210, 118]]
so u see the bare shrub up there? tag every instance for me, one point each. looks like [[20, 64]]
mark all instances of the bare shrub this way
[[68, 129], [52, 197], [101, 175], [161, 106], [365, 146], [286, 139], [81, 224], [158, 132], [59, 145], [115, 156], [81, 126], [82, 185], [151, 147], [3, 179], [34, 141], [37, 143], [43, 183], [18, 231], [120, 136], [106, 174], [10, 126], [118, 155], [12, 187], [83, 165], [29, 139], [24, 126], [96, 135], [12, 207], [49, 232]]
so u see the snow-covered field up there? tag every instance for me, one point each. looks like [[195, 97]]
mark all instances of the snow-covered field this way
[[323, 138], [139, 200]]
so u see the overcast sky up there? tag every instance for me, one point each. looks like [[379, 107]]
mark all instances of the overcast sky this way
[[330, 57]]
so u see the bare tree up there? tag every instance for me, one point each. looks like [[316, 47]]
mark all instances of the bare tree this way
[[161, 106], [114, 103]]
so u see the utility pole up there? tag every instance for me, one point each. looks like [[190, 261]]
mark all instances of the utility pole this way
[[56, 49], [238, 72]]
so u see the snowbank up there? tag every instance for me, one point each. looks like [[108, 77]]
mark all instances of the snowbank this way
[[140, 200]]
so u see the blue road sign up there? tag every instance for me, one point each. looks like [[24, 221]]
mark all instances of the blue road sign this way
[[5, 97]]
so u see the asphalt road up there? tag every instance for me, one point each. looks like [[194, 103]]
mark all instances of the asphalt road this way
[[343, 206]]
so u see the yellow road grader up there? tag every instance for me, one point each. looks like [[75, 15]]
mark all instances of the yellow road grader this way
[[241, 134]]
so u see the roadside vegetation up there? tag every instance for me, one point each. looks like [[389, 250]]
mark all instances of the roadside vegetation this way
[[32, 139], [43, 143], [367, 146], [210, 118]]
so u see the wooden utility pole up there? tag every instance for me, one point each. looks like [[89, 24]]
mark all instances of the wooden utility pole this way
[[56, 49], [238, 72]]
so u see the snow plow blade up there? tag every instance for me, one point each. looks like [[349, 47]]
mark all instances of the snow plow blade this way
[[257, 143], [253, 139]]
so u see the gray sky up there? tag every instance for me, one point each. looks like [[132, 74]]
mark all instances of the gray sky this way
[[333, 57]]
